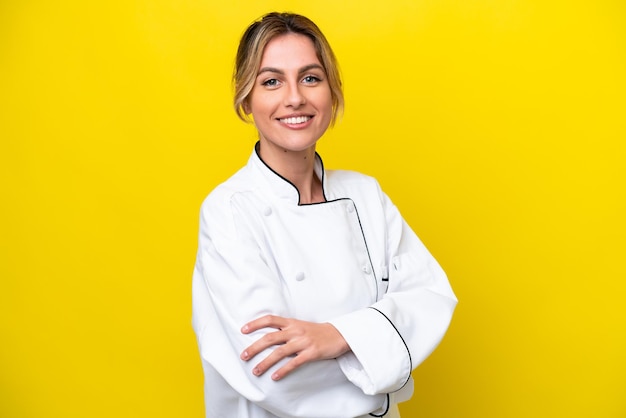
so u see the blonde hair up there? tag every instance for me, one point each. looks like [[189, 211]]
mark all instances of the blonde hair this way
[[253, 43]]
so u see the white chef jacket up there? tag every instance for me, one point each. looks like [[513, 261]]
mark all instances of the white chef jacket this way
[[351, 261]]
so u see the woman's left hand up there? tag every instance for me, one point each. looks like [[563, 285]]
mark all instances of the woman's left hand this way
[[307, 341]]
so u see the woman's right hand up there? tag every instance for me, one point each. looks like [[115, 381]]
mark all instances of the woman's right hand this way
[[305, 341]]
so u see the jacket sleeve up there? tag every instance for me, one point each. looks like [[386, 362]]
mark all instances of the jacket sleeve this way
[[394, 335], [233, 283]]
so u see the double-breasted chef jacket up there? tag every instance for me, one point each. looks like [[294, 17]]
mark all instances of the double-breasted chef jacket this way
[[351, 261]]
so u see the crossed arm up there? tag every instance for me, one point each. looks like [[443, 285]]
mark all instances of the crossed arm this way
[[305, 341]]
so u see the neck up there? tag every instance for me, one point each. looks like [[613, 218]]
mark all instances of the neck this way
[[296, 166]]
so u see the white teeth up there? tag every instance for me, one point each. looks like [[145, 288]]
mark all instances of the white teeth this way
[[296, 120]]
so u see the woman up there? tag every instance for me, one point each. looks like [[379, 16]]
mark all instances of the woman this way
[[311, 295]]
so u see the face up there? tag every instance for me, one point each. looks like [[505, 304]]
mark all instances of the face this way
[[291, 101]]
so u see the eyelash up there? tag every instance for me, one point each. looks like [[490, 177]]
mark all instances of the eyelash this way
[[273, 82], [314, 79]]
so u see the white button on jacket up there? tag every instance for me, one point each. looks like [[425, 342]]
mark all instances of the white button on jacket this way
[[351, 261]]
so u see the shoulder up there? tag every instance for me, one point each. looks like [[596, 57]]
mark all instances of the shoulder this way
[[218, 204], [363, 189], [349, 182], [352, 177]]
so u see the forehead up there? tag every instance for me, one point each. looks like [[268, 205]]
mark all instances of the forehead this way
[[289, 51]]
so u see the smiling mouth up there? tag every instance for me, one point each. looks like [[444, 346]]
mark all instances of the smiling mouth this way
[[296, 120]]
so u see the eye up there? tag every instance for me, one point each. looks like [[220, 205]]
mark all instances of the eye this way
[[272, 82], [311, 79]]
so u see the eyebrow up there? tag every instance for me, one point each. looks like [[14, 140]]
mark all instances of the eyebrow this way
[[300, 71]]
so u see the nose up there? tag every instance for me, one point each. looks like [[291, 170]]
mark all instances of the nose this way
[[294, 96]]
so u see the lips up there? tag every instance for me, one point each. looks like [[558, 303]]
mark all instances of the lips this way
[[295, 120]]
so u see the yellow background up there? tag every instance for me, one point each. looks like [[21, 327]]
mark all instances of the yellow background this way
[[497, 127]]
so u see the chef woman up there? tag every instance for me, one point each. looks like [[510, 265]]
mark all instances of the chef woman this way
[[311, 295]]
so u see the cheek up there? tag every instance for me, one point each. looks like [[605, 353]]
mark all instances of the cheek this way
[[257, 104], [324, 100], [327, 105]]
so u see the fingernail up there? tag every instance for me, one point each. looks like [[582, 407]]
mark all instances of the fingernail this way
[[275, 376], [244, 329], [256, 371], [244, 355]]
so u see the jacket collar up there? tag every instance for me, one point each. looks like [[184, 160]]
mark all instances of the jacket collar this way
[[275, 184]]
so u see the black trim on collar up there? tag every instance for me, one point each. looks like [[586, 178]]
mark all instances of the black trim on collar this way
[[256, 150]]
